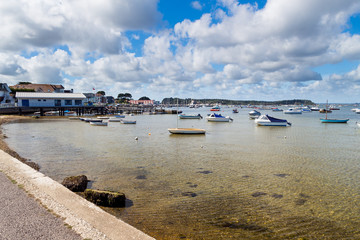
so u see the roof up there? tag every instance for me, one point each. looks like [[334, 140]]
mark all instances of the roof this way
[[46, 88], [50, 95]]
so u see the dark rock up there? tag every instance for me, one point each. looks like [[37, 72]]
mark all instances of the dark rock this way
[[76, 183], [245, 176], [205, 172], [304, 195], [258, 194], [189, 194], [277, 195], [300, 201], [282, 175], [33, 165], [105, 198], [141, 177], [244, 226]]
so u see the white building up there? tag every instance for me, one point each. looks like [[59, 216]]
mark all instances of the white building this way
[[38, 99]]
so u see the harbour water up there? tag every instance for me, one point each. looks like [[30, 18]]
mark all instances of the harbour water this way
[[238, 181]]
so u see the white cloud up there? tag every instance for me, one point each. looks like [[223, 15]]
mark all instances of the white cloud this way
[[236, 50], [196, 5]]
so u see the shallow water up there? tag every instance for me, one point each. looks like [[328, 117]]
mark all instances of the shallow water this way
[[239, 181]]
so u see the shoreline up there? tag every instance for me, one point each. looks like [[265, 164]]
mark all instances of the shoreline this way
[[5, 119], [84, 217]]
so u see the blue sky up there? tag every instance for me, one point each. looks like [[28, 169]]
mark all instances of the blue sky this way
[[262, 50]]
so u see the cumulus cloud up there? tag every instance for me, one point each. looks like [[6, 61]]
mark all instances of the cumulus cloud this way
[[235, 50]]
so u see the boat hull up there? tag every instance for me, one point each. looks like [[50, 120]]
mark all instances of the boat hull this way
[[218, 119], [278, 124], [127, 122], [324, 120], [186, 131], [98, 123], [189, 117]]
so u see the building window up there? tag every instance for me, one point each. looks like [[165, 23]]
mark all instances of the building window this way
[[44, 100], [68, 102], [39, 100], [78, 102]]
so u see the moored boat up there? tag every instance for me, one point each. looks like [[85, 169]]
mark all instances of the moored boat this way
[[235, 110], [266, 120], [293, 111], [186, 131], [92, 123], [216, 108], [254, 114], [123, 121], [330, 120], [324, 110], [218, 118], [190, 116], [114, 119]]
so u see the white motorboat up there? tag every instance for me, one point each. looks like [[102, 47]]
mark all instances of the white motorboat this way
[[114, 119], [123, 121], [218, 118], [186, 131], [293, 111], [92, 123], [266, 120], [190, 116], [254, 114]]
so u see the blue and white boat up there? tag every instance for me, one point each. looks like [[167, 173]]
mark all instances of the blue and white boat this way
[[266, 120], [218, 118], [254, 114], [293, 111]]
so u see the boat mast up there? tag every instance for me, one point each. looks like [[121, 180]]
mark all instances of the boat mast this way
[[177, 113], [326, 109]]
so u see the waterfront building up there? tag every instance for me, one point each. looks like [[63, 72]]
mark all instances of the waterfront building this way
[[38, 99], [142, 102]]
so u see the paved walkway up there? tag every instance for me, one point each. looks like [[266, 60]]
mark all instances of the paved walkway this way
[[22, 217]]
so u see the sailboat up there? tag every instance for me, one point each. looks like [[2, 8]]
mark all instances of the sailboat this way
[[332, 120], [178, 130]]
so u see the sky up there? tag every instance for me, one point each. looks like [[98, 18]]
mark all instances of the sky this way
[[227, 49]]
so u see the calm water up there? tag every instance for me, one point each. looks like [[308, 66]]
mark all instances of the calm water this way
[[239, 181]]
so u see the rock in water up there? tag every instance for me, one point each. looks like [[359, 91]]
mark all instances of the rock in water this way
[[76, 183], [105, 198]]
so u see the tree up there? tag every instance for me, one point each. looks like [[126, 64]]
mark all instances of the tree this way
[[24, 83], [121, 96], [144, 98], [128, 96], [101, 92]]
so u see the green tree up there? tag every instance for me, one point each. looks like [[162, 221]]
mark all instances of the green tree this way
[[128, 96], [101, 92], [144, 98]]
